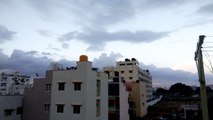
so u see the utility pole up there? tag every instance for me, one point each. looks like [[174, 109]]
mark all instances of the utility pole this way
[[199, 62]]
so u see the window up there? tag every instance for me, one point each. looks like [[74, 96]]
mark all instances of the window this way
[[98, 107], [8, 112], [112, 103], [98, 88], [116, 73], [129, 63], [122, 71], [3, 84], [130, 78], [130, 71], [46, 107], [60, 108], [61, 86], [122, 64], [4, 78], [19, 110], [77, 86], [48, 87], [76, 109]]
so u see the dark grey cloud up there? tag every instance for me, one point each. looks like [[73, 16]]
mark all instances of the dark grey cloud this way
[[163, 77], [99, 12], [97, 38], [168, 76], [29, 63], [206, 9], [95, 12], [25, 62], [5, 34]]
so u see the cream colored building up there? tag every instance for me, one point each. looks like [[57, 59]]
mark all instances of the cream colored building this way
[[141, 85], [75, 93]]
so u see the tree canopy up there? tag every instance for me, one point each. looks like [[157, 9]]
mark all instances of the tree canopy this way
[[181, 89]]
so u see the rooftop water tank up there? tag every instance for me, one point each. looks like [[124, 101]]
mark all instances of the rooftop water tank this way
[[83, 58]]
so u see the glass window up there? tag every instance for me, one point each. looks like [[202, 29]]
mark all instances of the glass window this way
[[98, 88], [98, 107], [46, 107], [19, 110], [48, 87], [61, 86], [76, 109], [60, 108], [8, 112], [77, 86]]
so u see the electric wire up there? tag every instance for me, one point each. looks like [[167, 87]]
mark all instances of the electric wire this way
[[209, 61]]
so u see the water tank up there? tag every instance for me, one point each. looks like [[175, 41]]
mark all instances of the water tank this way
[[127, 59], [133, 59], [83, 58]]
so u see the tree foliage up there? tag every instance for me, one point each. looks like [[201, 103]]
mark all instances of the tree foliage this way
[[181, 89], [161, 91]]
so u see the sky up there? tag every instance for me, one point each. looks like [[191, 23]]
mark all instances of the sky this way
[[161, 34]]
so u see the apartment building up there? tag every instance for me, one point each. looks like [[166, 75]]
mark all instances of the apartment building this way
[[12, 88], [13, 84], [77, 93], [138, 83], [118, 96], [131, 71]]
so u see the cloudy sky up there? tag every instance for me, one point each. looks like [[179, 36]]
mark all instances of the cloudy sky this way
[[160, 34]]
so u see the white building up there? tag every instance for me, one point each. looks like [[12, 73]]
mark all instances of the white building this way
[[75, 93], [13, 84]]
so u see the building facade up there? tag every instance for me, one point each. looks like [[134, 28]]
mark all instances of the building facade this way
[[78, 93], [138, 83], [118, 96], [13, 84], [10, 107]]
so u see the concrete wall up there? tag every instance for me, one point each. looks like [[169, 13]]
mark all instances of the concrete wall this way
[[124, 105], [10, 102], [35, 98], [104, 96], [86, 97], [138, 94]]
